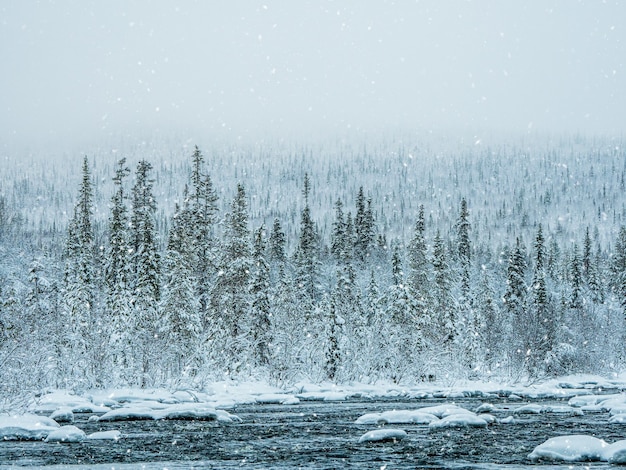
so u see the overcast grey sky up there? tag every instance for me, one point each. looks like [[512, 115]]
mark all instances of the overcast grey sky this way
[[88, 70]]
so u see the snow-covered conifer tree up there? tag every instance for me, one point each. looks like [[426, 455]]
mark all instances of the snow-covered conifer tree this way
[[146, 274], [277, 243], [444, 324], [78, 290], [231, 292], [117, 278], [181, 324], [201, 213], [261, 314]]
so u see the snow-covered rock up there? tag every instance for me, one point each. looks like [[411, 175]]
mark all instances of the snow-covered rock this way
[[618, 419], [556, 409], [277, 399], [485, 408], [528, 409], [127, 413], [51, 402], [195, 411], [105, 435], [616, 453], [66, 434], [459, 420], [383, 435], [27, 427], [441, 411], [576, 448], [63, 414], [397, 417]]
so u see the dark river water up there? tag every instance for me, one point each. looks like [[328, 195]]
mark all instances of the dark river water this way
[[316, 435]]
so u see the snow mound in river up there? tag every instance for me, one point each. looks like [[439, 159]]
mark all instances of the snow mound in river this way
[[27, 427], [383, 435], [580, 448]]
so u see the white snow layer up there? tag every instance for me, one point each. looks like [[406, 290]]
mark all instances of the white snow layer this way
[[105, 435], [580, 448], [383, 435], [67, 434], [441, 416], [397, 417], [26, 427], [195, 411]]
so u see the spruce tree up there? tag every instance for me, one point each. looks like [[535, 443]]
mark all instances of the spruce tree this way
[[117, 277], [542, 325], [491, 326], [464, 249], [201, 214], [79, 286], [515, 298], [364, 227], [338, 236], [146, 273], [402, 328], [181, 322], [231, 292], [576, 281], [418, 260], [618, 268], [445, 325], [307, 261], [261, 311], [277, 243]]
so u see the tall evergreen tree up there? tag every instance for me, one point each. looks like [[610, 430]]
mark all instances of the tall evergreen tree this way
[[181, 323], [364, 227], [587, 255], [201, 213], [419, 267], [261, 310], [117, 277], [231, 292], [444, 303], [542, 325], [491, 329], [515, 298], [79, 285], [338, 236], [576, 281], [307, 253], [402, 328], [618, 268], [146, 272], [464, 249], [277, 243]]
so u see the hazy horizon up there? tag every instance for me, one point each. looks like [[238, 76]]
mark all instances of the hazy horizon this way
[[87, 71]]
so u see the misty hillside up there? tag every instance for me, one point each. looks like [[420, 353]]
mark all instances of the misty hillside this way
[[565, 183]]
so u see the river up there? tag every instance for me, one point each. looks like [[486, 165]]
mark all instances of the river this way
[[315, 435]]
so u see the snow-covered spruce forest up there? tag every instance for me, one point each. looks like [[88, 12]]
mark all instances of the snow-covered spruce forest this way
[[157, 265]]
